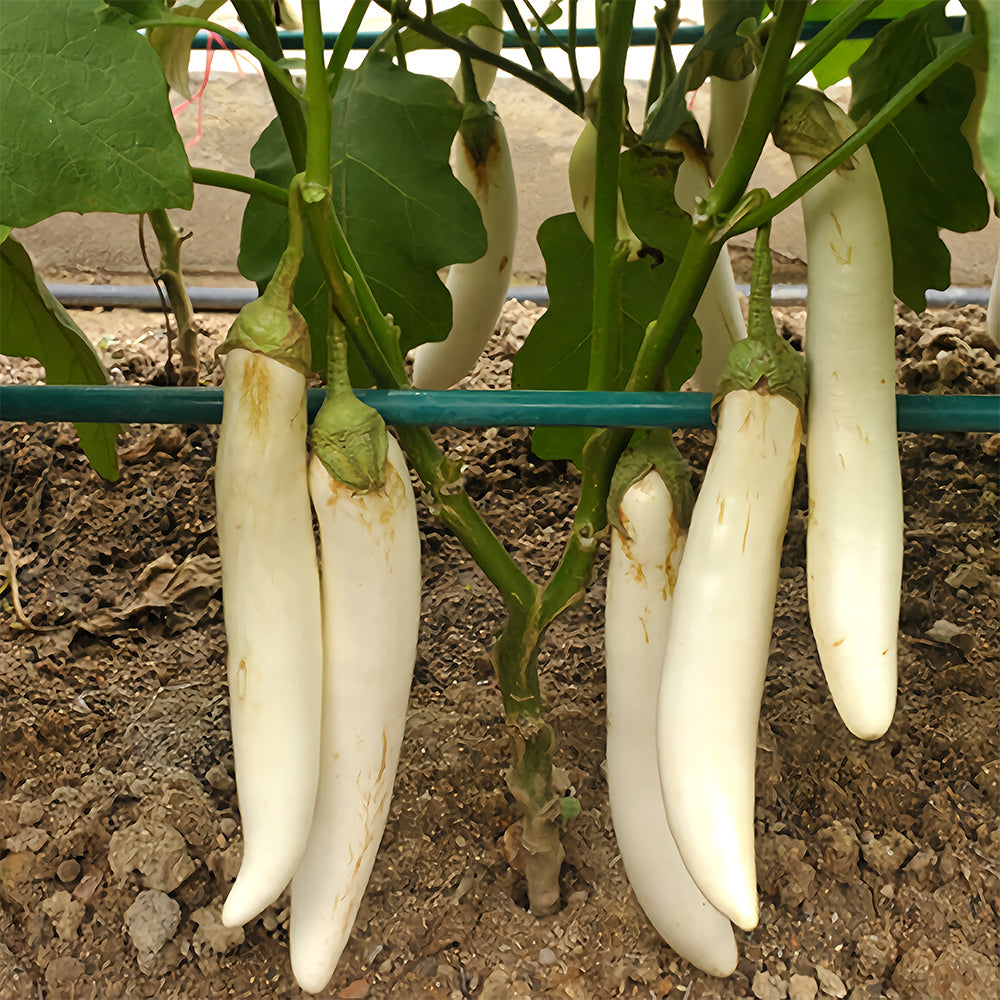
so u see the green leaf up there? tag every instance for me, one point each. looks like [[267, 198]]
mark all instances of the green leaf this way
[[556, 353], [924, 162], [402, 209], [87, 122], [34, 325], [723, 51], [172, 42], [989, 121]]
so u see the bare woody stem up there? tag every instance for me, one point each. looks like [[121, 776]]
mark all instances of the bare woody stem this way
[[171, 242]]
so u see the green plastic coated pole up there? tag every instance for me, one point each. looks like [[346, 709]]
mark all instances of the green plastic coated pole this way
[[455, 407]]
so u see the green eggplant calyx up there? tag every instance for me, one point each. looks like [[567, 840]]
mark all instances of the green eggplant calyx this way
[[655, 450], [767, 365], [271, 325], [351, 441]]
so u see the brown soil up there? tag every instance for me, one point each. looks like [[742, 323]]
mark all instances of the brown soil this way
[[878, 862]]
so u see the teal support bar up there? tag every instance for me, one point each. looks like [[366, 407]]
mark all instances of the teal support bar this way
[[455, 407]]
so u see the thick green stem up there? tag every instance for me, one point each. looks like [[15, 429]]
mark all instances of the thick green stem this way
[[605, 346], [171, 241], [865, 133], [258, 20], [317, 173]]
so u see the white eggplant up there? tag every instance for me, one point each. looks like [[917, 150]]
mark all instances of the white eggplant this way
[[582, 173], [270, 587], [641, 572], [854, 540], [717, 647], [371, 608], [478, 290]]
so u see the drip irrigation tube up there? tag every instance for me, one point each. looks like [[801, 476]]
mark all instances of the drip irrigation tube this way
[[207, 299], [456, 407]]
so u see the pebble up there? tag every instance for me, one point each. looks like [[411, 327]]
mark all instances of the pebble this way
[[30, 813], [152, 920], [802, 988], [64, 969], [68, 870], [830, 983], [768, 987]]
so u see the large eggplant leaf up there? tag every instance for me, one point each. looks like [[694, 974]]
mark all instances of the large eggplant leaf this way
[[556, 354], [401, 207], [34, 325], [87, 125], [924, 163], [724, 51]]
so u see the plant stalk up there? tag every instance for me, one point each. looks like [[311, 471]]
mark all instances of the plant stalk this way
[[317, 172], [606, 334], [171, 242]]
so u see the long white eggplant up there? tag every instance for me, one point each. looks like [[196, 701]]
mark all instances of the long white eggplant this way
[[371, 609], [270, 587], [854, 540], [717, 647], [642, 570], [478, 290]]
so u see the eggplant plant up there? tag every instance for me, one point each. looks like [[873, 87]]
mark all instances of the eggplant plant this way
[[366, 184]]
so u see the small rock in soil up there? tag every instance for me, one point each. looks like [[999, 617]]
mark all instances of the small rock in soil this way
[[769, 987], [830, 983], [151, 921], [65, 913], [156, 851], [802, 988]]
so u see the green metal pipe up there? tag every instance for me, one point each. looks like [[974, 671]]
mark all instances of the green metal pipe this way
[[455, 407]]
